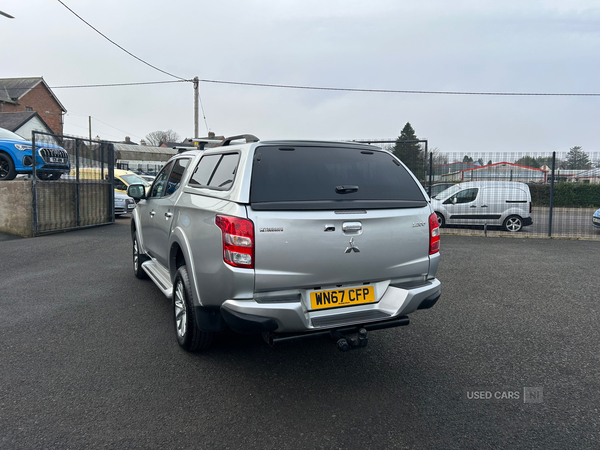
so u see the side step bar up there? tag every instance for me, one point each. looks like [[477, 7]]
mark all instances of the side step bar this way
[[273, 338], [160, 276]]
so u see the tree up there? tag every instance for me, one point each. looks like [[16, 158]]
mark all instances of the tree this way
[[155, 138], [410, 153], [489, 162], [577, 159], [438, 158], [467, 159], [529, 161]]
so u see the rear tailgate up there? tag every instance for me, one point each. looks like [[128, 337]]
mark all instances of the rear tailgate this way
[[330, 214], [308, 249]]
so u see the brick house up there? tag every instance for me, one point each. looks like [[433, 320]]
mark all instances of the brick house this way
[[32, 95]]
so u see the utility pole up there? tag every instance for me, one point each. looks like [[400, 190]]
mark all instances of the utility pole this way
[[196, 95], [90, 123]]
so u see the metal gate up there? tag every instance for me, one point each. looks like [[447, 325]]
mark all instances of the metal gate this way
[[73, 183]]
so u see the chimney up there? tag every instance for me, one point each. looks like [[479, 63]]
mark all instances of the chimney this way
[[211, 135], [127, 139]]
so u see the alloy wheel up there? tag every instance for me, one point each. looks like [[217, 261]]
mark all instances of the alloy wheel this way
[[180, 310], [513, 224]]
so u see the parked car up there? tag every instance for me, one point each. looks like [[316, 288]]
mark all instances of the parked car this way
[[16, 157], [124, 204], [291, 239], [495, 203], [148, 178], [122, 178], [596, 219], [438, 188]]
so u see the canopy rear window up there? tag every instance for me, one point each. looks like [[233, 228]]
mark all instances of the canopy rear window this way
[[303, 177]]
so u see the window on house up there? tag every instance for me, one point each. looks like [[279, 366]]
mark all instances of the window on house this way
[[28, 108]]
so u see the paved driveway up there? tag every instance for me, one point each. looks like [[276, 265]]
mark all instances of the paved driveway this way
[[88, 359]]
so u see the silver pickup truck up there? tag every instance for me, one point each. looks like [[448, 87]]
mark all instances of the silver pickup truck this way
[[291, 239]]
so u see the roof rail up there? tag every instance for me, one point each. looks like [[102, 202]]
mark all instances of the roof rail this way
[[248, 137]]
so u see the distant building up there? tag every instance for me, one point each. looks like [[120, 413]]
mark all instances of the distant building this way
[[128, 141], [23, 123], [32, 95], [502, 171], [443, 170]]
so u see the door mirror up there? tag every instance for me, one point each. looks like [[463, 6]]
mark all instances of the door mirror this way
[[137, 192], [451, 200]]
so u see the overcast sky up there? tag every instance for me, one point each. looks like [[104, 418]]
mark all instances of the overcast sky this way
[[462, 45]]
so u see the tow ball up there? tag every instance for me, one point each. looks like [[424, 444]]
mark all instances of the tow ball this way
[[350, 341]]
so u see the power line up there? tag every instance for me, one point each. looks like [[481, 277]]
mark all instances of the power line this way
[[114, 43], [107, 124], [113, 84], [320, 88], [394, 91]]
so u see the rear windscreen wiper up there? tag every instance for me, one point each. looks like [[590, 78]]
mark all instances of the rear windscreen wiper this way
[[346, 189]]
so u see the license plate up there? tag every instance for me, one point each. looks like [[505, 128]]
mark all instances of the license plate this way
[[342, 297]]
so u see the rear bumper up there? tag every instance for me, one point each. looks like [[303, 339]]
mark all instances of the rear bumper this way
[[249, 316], [527, 221]]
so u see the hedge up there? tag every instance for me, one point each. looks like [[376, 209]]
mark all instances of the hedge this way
[[572, 195]]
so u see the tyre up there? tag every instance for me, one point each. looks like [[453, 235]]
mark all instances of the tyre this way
[[440, 218], [189, 336], [7, 168], [513, 224], [138, 259]]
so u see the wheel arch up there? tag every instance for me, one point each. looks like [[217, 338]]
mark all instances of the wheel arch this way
[[180, 254], [15, 163]]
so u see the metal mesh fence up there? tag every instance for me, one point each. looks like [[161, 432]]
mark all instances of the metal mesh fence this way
[[73, 183], [516, 194], [519, 194]]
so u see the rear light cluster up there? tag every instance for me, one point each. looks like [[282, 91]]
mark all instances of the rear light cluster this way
[[238, 241], [434, 234]]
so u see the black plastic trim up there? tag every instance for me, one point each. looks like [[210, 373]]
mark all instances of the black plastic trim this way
[[247, 323], [209, 319], [430, 301]]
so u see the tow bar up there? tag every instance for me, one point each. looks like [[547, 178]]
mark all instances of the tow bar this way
[[347, 338], [349, 342]]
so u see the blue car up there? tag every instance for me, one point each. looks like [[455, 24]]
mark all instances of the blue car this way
[[16, 157], [596, 219]]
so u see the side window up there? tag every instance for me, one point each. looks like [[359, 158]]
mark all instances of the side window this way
[[159, 182], [466, 195], [216, 171], [176, 175], [204, 170], [120, 185], [225, 172]]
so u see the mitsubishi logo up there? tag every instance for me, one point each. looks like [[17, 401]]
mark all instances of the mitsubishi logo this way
[[352, 248]]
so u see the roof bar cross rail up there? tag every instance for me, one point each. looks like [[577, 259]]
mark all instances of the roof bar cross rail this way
[[248, 137]]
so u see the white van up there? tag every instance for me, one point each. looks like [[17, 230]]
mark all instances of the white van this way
[[495, 203]]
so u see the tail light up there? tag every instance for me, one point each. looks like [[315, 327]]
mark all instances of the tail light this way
[[434, 234], [238, 241]]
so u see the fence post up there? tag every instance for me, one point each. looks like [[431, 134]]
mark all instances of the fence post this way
[[110, 148], [551, 194], [34, 184], [77, 181], [430, 172]]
